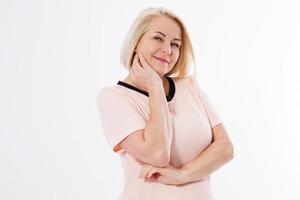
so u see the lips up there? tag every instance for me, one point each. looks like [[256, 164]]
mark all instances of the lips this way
[[162, 60]]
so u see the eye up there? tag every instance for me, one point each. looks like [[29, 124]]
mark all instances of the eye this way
[[157, 38], [176, 45]]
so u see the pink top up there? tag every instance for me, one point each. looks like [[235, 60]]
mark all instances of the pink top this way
[[124, 109]]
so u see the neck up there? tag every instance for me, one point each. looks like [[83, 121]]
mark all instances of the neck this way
[[165, 82]]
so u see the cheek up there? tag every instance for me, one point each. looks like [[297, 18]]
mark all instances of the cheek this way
[[147, 44], [147, 51], [143, 46], [176, 57]]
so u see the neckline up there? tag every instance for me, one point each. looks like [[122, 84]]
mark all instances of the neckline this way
[[169, 97]]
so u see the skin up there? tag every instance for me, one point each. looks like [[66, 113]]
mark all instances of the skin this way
[[162, 40], [218, 153]]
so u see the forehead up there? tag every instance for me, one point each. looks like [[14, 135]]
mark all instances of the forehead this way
[[166, 25]]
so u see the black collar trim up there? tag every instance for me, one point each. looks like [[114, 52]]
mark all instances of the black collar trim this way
[[169, 97]]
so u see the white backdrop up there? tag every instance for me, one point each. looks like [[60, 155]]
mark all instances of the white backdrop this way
[[55, 55]]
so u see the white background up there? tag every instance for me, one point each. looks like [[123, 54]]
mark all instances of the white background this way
[[55, 55]]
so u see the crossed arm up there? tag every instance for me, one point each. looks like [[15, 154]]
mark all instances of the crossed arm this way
[[219, 152], [152, 146]]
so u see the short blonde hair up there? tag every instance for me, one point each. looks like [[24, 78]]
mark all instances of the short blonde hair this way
[[137, 30]]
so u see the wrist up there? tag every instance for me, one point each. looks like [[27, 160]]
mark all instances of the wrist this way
[[186, 175], [156, 87], [191, 176]]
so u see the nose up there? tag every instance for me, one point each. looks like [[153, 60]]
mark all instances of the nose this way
[[166, 48]]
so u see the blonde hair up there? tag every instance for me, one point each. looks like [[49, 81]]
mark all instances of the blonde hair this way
[[137, 30]]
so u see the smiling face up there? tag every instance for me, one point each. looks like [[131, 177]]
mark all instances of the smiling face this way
[[160, 44]]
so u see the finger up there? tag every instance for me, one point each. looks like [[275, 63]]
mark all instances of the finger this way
[[145, 170], [142, 171], [151, 173], [137, 60], [134, 61], [153, 178], [135, 67], [142, 60], [132, 71]]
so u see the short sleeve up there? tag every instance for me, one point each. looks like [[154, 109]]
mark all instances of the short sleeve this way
[[119, 116], [213, 116]]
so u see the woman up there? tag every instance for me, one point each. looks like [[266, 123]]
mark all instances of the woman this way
[[168, 135]]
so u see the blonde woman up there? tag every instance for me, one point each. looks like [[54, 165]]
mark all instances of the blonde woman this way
[[161, 123]]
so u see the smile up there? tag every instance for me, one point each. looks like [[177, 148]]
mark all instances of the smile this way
[[161, 60]]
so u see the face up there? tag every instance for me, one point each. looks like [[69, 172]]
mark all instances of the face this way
[[161, 44]]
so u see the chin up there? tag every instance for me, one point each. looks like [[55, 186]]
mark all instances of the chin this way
[[160, 72], [159, 69]]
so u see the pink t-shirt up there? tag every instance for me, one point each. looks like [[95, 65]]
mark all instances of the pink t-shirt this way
[[124, 109]]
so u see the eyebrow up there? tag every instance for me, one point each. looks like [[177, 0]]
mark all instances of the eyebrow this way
[[165, 35]]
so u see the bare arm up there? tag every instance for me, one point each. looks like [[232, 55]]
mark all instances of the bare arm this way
[[219, 152], [216, 154], [152, 144]]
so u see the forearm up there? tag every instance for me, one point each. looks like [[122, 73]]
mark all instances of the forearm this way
[[217, 154], [158, 131]]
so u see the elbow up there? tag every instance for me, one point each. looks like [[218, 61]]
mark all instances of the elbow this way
[[161, 159], [164, 159], [229, 152]]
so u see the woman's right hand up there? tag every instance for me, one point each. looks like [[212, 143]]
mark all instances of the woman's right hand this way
[[142, 73]]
